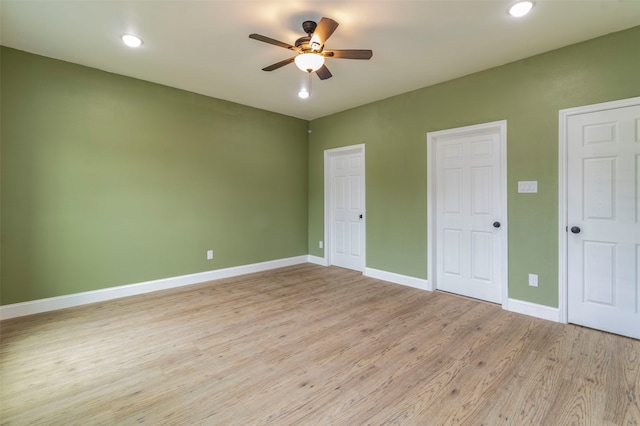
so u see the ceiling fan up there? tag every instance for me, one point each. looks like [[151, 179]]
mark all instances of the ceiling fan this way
[[310, 49]]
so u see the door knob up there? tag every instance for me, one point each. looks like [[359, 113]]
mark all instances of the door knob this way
[[496, 224], [360, 216], [575, 229]]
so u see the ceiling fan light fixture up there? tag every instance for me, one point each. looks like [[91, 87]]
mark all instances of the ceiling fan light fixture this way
[[520, 9], [303, 94], [309, 62], [131, 40]]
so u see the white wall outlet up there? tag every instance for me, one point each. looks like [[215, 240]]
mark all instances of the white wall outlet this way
[[320, 244], [209, 254], [533, 280], [528, 186]]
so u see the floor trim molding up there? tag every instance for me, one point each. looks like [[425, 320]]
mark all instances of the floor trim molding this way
[[414, 282], [84, 298], [533, 309], [322, 261], [67, 301]]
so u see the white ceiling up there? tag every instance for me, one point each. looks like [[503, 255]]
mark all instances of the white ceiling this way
[[203, 46]]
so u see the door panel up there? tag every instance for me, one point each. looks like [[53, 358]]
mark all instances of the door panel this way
[[481, 260], [599, 186], [347, 207], [452, 190], [599, 267], [452, 252], [468, 182], [481, 181], [603, 184]]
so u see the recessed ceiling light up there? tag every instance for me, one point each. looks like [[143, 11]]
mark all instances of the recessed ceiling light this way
[[521, 8], [303, 94], [131, 40]]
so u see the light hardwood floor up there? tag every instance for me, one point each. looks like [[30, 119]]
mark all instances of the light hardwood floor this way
[[311, 345]]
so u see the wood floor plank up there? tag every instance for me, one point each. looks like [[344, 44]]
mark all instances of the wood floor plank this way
[[310, 345]]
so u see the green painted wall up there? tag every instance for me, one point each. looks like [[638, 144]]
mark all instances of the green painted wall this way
[[109, 180], [528, 94]]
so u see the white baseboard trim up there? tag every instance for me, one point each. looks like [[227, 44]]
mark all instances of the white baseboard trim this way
[[533, 309], [414, 282], [77, 299], [317, 260]]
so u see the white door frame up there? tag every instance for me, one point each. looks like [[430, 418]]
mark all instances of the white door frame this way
[[328, 154], [495, 126], [564, 115]]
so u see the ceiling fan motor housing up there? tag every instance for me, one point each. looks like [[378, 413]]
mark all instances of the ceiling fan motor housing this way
[[309, 27], [303, 44]]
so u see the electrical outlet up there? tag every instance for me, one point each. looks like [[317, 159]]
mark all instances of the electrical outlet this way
[[533, 280], [320, 244], [209, 254]]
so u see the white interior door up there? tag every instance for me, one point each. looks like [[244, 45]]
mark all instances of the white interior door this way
[[470, 211], [603, 218], [346, 208]]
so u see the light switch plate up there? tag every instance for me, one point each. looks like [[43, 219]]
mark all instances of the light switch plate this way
[[528, 186]]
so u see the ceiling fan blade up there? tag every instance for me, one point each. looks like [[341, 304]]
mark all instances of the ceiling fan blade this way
[[278, 64], [323, 31], [323, 72], [348, 54], [273, 41]]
